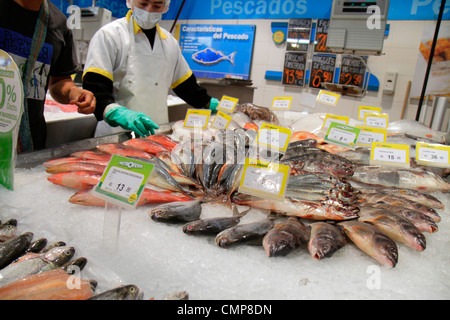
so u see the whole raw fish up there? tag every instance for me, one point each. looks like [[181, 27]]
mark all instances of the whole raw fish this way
[[14, 248], [176, 212], [123, 150], [414, 179], [372, 241], [422, 222], [214, 225], [8, 230], [49, 285], [319, 163], [328, 209], [164, 140], [87, 198], [52, 259], [325, 240], [80, 180], [92, 155], [37, 245], [145, 145], [370, 198], [394, 226], [127, 292], [67, 160], [243, 233], [412, 195], [285, 236], [77, 166], [171, 160]]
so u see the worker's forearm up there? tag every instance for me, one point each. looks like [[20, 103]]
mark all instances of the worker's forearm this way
[[63, 90]]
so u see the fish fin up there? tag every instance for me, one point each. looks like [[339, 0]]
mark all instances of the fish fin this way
[[240, 214]]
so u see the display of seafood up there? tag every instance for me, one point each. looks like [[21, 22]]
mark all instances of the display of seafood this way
[[333, 197]]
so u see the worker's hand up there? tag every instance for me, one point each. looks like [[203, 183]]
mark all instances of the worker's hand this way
[[83, 99], [213, 104], [138, 122]]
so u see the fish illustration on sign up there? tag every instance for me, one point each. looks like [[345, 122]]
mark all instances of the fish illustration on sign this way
[[210, 56]]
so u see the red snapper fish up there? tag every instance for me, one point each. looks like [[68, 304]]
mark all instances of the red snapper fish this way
[[80, 180], [145, 145], [164, 140], [87, 198], [123, 150]]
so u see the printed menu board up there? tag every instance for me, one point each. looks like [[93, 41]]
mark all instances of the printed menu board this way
[[299, 33], [353, 71], [294, 68], [322, 70]]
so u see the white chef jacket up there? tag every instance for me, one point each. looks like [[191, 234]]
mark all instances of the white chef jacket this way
[[109, 52]]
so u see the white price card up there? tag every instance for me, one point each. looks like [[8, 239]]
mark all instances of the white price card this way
[[281, 103], [366, 109], [390, 154], [376, 120], [370, 134], [329, 118], [197, 118], [227, 104], [328, 97], [264, 179], [123, 181], [273, 136], [434, 155]]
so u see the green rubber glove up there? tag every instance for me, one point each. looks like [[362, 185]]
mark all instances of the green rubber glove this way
[[138, 122], [213, 104]]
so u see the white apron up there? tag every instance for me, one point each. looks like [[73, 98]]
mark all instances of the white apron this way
[[144, 87]]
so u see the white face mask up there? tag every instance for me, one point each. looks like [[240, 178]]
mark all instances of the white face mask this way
[[145, 19]]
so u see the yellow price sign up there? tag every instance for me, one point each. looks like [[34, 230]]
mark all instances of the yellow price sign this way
[[273, 136], [390, 154], [434, 155]]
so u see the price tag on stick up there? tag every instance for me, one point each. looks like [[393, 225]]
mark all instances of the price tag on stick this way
[[390, 154], [123, 181]]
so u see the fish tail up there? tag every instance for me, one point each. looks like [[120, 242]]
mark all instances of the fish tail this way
[[231, 57]]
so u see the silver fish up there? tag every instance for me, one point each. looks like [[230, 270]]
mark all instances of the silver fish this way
[[325, 240], [243, 232], [177, 211], [368, 199], [394, 226], [52, 259], [285, 236], [414, 179], [372, 241], [328, 209], [127, 292], [422, 222]]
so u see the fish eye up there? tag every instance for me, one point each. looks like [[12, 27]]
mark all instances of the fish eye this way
[[132, 289]]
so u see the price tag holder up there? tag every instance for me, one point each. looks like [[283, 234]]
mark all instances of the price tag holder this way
[[197, 118], [282, 103], [366, 109], [221, 121], [327, 97], [390, 154], [264, 179], [371, 134], [329, 118], [342, 135], [433, 155], [227, 104], [123, 181], [274, 137], [376, 120]]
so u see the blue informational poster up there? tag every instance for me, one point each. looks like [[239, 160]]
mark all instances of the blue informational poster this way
[[218, 51]]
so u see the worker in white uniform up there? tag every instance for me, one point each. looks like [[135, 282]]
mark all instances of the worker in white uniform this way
[[131, 64]]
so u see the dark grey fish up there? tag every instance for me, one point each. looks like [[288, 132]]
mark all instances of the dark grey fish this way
[[184, 211], [213, 225], [243, 233], [7, 231], [75, 265], [37, 246], [14, 248], [128, 292], [325, 240], [285, 236]]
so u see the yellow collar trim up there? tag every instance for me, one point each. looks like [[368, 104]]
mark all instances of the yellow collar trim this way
[[137, 28]]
